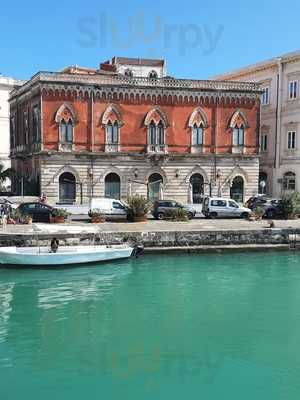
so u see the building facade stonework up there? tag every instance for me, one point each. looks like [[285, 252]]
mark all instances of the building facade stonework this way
[[84, 133], [6, 86], [280, 121]]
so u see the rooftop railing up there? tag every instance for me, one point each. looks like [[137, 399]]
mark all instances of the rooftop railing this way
[[120, 80]]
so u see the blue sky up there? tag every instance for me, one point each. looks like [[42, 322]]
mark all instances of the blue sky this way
[[197, 38]]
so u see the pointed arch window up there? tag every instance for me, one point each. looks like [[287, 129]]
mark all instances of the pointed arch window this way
[[128, 73], [153, 75], [198, 122], [156, 137], [156, 122], [66, 119], [152, 133], [112, 132], [66, 131], [238, 125], [238, 136], [160, 134], [112, 122], [35, 124], [197, 134]]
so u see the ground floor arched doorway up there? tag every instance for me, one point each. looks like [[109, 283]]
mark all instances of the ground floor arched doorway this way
[[155, 188], [262, 183], [67, 188], [237, 189], [196, 188], [112, 185]]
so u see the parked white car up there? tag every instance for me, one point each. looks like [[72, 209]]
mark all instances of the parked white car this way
[[113, 209], [220, 207]]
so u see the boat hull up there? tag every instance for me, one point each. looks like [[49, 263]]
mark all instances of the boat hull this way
[[32, 256]]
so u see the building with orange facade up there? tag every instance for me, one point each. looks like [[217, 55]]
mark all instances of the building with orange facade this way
[[128, 128]]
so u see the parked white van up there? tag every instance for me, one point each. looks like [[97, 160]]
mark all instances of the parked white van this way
[[214, 207], [112, 209]]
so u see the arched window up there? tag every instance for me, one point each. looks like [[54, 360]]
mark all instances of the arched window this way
[[197, 134], [112, 121], [156, 123], [156, 135], [112, 185], [152, 133], [198, 123], [153, 75], [112, 133], [35, 124], [238, 135], [69, 136], [128, 73], [66, 119], [237, 189], [160, 134], [289, 181], [63, 130], [196, 188], [66, 131], [25, 125], [155, 187], [67, 188]]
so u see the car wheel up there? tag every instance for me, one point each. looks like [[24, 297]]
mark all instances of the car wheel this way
[[213, 215], [190, 215], [270, 214], [160, 216], [245, 215]]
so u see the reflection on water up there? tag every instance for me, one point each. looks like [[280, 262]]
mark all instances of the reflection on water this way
[[5, 307], [82, 286], [157, 327]]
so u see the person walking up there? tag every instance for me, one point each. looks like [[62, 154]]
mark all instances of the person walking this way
[[43, 198]]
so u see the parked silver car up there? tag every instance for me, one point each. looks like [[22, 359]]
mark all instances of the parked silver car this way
[[214, 207]]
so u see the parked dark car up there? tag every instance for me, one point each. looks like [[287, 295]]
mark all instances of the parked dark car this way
[[256, 201], [160, 207], [272, 207], [38, 211]]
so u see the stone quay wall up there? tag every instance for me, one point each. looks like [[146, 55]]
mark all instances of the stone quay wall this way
[[164, 239]]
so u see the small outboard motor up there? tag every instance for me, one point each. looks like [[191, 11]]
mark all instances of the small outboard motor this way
[[138, 249]]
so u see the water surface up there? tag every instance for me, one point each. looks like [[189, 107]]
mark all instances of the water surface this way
[[159, 327]]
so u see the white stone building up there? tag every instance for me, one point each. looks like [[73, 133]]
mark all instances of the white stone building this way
[[280, 120], [6, 86]]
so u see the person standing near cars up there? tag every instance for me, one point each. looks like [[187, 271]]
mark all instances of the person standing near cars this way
[[7, 209]]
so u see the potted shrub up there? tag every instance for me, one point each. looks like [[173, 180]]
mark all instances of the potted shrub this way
[[137, 208], [16, 215], [97, 216], [258, 213], [177, 214], [59, 215], [26, 219], [290, 205]]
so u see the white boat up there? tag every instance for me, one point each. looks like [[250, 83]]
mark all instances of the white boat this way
[[65, 255]]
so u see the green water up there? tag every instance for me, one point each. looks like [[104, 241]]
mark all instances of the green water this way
[[159, 327]]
